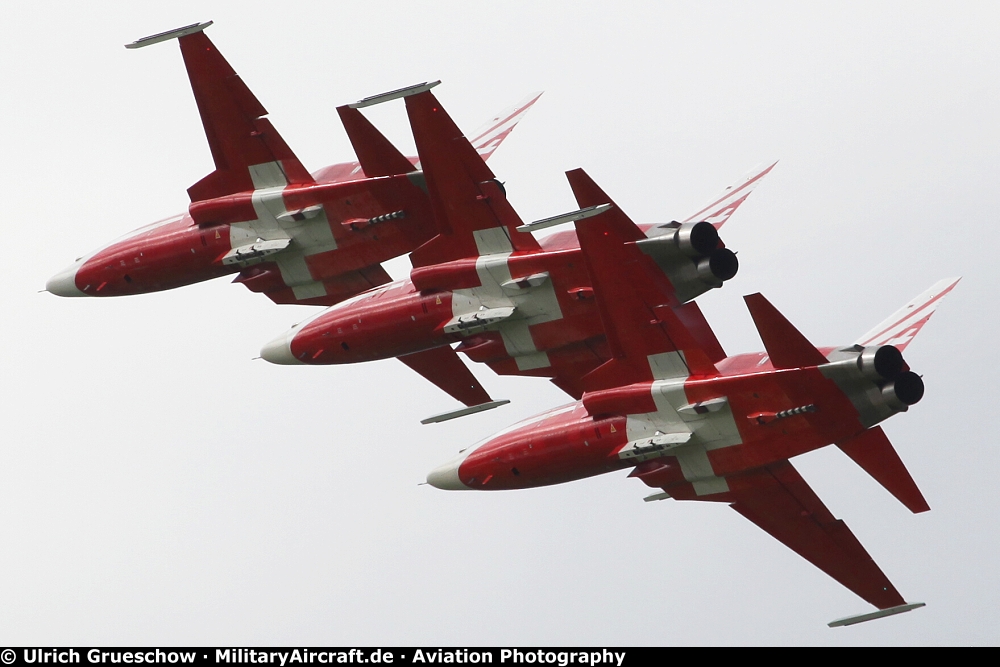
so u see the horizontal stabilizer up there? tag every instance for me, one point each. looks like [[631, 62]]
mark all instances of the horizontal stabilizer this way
[[719, 210], [785, 345], [694, 321], [901, 327], [443, 367], [376, 154], [872, 451]]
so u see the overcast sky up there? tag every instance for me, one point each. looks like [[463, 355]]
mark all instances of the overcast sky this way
[[157, 486]]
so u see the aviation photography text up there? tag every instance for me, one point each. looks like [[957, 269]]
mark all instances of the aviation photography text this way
[[313, 656]]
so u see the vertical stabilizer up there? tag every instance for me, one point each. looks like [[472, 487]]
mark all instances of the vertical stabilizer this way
[[903, 325], [487, 138], [720, 209]]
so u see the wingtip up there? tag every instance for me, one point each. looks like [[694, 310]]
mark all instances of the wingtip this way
[[176, 33], [871, 616], [407, 91], [463, 412]]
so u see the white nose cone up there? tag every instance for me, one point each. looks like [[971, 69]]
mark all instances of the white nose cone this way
[[446, 476], [279, 350], [64, 282]]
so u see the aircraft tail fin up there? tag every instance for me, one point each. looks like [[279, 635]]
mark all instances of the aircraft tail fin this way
[[376, 154], [785, 345], [248, 152], [722, 207], [872, 451], [470, 205], [488, 137], [903, 325]]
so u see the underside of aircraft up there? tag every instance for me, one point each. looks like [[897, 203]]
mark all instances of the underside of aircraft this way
[[606, 311]]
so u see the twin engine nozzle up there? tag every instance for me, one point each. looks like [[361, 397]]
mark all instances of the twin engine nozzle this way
[[884, 365], [700, 241], [691, 256]]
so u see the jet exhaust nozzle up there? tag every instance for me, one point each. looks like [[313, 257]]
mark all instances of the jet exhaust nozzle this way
[[903, 391], [697, 239], [718, 267], [881, 363]]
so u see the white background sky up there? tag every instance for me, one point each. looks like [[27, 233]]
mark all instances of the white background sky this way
[[158, 486]]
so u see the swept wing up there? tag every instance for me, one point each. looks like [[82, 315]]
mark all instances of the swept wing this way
[[473, 215]]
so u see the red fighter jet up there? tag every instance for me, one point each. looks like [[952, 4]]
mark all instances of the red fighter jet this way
[[297, 237], [522, 306], [699, 425]]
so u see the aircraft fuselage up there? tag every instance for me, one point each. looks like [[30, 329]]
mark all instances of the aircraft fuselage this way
[[690, 436], [332, 228], [521, 312]]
